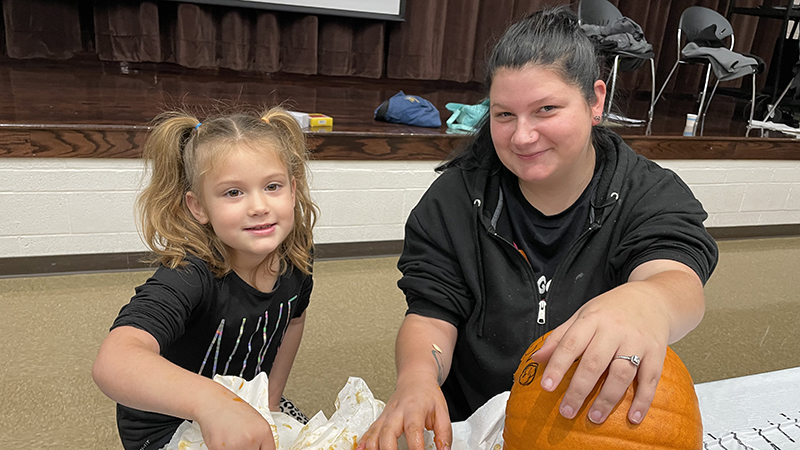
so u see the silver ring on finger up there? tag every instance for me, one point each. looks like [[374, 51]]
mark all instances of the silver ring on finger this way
[[635, 360]]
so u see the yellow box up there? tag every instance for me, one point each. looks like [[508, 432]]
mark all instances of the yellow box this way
[[319, 120], [319, 129]]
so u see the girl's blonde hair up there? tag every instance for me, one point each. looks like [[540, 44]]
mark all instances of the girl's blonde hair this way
[[181, 149]]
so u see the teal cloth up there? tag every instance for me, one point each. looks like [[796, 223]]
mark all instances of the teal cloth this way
[[466, 117]]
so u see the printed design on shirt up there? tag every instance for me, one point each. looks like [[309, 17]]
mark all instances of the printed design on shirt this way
[[238, 339], [249, 347], [521, 252], [543, 284], [265, 342], [216, 341], [288, 315]]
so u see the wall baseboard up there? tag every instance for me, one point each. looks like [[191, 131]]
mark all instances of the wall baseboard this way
[[24, 266], [755, 231]]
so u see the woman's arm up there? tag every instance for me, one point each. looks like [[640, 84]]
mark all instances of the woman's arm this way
[[284, 360], [661, 302], [130, 371], [424, 353], [679, 289]]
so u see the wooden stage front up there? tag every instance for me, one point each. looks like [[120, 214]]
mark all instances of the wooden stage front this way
[[102, 110]]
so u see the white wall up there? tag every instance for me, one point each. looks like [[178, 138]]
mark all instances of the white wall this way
[[73, 206]]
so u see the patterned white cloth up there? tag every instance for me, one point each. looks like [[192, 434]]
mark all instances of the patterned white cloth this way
[[783, 435], [753, 412]]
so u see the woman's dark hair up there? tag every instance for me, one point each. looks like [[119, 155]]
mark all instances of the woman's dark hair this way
[[551, 38]]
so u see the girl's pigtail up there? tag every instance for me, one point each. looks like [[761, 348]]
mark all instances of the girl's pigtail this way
[[298, 247], [165, 221]]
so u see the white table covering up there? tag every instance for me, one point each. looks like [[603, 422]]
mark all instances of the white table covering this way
[[752, 412]]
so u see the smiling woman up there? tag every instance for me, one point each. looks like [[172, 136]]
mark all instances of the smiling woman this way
[[545, 221], [539, 137]]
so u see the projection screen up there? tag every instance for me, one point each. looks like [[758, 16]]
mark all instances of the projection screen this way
[[368, 9]]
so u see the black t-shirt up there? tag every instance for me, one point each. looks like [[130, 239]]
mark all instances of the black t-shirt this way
[[207, 325], [542, 239]]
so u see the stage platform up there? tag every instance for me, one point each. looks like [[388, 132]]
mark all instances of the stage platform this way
[[92, 109]]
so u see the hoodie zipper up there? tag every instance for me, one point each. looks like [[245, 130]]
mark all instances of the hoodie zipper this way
[[562, 267], [541, 318]]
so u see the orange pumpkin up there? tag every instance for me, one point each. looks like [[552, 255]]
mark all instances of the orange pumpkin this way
[[533, 420]]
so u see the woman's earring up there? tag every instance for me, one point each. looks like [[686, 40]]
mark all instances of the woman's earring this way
[[597, 119]]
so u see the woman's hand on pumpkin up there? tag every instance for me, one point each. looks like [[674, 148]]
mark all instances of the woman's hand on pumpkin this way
[[417, 404], [618, 322], [662, 301]]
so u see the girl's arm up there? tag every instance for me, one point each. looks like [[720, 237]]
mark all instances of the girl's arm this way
[[284, 360], [130, 371]]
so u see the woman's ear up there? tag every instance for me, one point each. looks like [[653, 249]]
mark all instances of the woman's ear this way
[[196, 208], [600, 98]]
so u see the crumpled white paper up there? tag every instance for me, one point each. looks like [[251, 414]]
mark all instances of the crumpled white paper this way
[[255, 393], [483, 430], [356, 410]]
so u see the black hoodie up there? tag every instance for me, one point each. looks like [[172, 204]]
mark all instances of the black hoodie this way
[[459, 263]]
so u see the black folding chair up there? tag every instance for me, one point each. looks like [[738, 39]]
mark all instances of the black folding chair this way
[[604, 13], [707, 28]]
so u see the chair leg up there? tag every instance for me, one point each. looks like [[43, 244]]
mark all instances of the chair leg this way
[[752, 106], [700, 114], [661, 91], [775, 106], [705, 110], [613, 85], [649, 130]]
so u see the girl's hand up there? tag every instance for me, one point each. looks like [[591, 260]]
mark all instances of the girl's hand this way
[[417, 404], [659, 305], [235, 425]]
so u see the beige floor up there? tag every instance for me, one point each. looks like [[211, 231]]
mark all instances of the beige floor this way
[[52, 326]]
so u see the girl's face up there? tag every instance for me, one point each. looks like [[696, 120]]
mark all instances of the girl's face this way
[[248, 198], [541, 126]]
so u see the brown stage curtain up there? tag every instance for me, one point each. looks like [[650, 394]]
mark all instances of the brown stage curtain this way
[[127, 31], [439, 40], [41, 29], [351, 47]]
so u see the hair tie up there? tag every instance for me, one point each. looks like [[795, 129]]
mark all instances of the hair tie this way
[[198, 125], [265, 119]]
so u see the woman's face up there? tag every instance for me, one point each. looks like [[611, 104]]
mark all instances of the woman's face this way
[[541, 126]]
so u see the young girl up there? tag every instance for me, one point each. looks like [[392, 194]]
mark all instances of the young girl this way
[[228, 214]]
